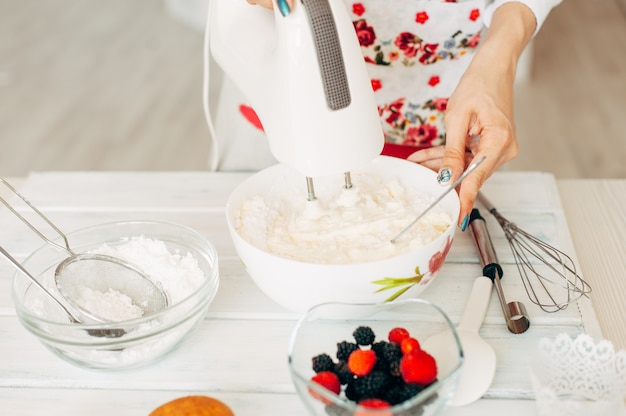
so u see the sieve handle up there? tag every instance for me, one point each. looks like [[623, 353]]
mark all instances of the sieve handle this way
[[37, 283], [40, 214]]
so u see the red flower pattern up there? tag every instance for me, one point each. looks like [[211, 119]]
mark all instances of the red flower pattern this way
[[250, 115], [429, 53], [434, 80], [365, 33], [358, 9], [436, 261], [395, 112], [473, 41], [408, 43], [421, 135], [416, 124], [440, 104], [421, 17]]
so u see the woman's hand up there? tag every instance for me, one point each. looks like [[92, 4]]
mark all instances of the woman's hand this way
[[285, 6], [479, 116], [264, 3]]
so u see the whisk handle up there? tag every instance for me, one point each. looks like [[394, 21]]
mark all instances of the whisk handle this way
[[486, 252]]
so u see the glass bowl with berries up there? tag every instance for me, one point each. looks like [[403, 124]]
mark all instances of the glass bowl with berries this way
[[367, 359]]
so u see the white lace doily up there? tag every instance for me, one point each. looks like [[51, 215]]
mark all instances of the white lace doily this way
[[578, 376]]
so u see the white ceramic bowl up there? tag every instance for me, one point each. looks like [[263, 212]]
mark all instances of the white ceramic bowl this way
[[144, 339], [298, 285]]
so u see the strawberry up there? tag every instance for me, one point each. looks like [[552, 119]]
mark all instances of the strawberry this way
[[397, 335], [373, 404], [409, 344], [418, 367], [361, 362], [328, 380]]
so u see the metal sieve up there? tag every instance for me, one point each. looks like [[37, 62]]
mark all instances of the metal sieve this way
[[92, 271]]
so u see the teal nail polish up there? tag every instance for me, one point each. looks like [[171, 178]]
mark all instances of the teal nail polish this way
[[465, 222], [283, 7], [444, 176]]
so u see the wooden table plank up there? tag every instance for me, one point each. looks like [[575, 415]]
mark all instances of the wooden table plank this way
[[247, 355], [597, 211], [254, 381], [140, 403]]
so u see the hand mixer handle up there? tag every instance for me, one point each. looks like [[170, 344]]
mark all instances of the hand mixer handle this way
[[305, 77]]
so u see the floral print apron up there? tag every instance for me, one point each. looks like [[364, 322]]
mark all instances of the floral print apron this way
[[416, 52]]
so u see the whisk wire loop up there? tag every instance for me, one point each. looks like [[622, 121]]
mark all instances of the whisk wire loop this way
[[542, 267]]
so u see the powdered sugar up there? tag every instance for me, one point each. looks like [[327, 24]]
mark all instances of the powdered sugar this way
[[111, 305], [176, 274]]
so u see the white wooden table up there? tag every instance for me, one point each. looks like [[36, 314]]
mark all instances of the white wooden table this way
[[239, 354]]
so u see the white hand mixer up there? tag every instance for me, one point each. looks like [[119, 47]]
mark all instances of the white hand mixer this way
[[306, 79]]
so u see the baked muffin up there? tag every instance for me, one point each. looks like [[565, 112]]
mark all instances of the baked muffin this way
[[193, 406]]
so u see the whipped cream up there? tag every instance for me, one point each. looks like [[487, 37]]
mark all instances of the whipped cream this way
[[343, 225]]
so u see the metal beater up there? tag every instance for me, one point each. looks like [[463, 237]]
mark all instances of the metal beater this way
[[552, 269]]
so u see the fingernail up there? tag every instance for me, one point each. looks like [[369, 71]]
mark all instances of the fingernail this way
[[283, 7], [444, 176], [465, 222]]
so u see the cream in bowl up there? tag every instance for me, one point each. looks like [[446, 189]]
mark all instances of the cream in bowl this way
[[338, 247]]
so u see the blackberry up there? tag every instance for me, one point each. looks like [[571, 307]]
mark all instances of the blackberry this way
[[323, 362], [343, 372], [364, 335], [378, 348], [388, 356], [401, 392], [418, 409], [394, 368], [344, 349], [371, 386], [412, 389], [393, 395], [351, 392], [391, 352], [381, 363]]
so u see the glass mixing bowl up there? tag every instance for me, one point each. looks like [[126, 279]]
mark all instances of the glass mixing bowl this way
[[325, 325], [130, 343]]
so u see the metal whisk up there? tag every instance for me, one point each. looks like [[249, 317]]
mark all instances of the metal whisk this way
[[552, 269]]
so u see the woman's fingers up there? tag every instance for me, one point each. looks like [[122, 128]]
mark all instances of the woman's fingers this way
[[430, 157], [285, 6]]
